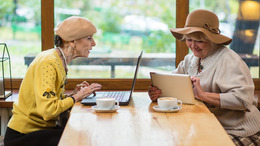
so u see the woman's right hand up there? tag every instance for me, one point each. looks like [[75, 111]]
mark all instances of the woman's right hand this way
[[86, 91], [154, 92], [79, 86]]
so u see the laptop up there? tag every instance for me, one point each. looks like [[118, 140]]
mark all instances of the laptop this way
[[123, 97], [174, 85]]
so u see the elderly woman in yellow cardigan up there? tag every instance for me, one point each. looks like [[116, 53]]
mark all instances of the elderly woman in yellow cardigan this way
[[41, 96]]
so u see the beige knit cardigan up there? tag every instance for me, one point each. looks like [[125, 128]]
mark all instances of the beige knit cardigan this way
[[224, 72]]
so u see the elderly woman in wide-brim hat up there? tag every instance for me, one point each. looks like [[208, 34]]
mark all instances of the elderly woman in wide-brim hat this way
[[221, 79], [41, 95]]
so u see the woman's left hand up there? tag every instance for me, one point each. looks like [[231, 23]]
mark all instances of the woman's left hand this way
[[199, 93], [197, 89]]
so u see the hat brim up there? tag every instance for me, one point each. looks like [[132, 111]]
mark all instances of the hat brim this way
[[216, 38]]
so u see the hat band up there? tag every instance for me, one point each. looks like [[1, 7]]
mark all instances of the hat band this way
[[213, 30]]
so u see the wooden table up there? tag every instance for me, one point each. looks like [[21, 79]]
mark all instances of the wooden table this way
[[139, 125]]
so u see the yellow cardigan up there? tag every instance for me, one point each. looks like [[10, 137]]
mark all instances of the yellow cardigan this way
[[41, 99]]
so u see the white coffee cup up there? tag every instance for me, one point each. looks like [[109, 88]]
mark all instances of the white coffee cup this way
[[169, 103], [106, 103]]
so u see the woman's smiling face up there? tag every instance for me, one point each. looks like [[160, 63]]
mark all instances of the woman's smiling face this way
[[83, 46], [200, 48]]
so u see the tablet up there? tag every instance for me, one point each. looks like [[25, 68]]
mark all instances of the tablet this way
[[174, 85]]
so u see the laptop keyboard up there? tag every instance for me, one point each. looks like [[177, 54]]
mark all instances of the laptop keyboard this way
[[117, 95]]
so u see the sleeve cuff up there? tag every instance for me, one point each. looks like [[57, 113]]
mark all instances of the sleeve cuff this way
[[230, 101], [72, 98]]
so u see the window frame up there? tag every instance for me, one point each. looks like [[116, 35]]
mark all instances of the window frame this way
[[47, 19]]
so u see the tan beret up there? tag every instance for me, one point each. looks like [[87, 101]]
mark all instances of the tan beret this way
[[74, 28]]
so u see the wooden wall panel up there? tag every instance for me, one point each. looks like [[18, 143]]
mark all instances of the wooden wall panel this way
[[47, 22], [182, 11], [107, 84]]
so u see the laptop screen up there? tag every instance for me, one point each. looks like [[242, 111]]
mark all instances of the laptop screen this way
[[136, 71], [122, 96]]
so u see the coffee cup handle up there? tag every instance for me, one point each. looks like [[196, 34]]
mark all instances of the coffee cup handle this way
[[179, 103], [116, 103]]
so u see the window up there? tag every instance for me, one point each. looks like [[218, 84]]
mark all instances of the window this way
[[239, 20], [178, 8], [124, 29], [20, 27]]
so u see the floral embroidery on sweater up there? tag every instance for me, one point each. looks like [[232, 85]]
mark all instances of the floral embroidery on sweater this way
[[48, 93]]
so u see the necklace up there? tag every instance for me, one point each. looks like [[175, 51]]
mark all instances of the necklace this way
[[64, 59], [200, 66]]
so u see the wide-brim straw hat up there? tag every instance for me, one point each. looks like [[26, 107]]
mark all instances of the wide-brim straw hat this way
[[202, 21], [74, 28]]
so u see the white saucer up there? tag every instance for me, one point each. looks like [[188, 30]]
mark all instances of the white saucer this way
[[98, 110], [156, 108]]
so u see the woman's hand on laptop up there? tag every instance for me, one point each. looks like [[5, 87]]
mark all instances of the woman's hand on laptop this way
[[78, 87], [86, 91], [154, 92]]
